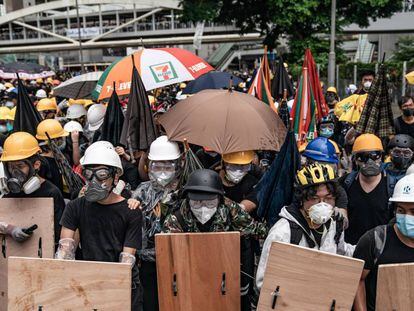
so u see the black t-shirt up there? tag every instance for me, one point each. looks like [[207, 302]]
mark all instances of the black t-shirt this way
[[394, 251], [244, 190], [403, 128], [104, 229], [366, 210], [47, 190]]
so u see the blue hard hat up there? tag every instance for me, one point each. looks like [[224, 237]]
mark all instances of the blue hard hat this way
[[321, 149]]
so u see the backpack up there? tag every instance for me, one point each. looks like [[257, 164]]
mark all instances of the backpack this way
[[380, 237]]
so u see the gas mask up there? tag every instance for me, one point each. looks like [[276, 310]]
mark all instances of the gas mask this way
[[162, 178], [409, 112], [370, 168], [320, 213], [401, 158], [235, 173], [163, 173], [204, 210], [330, 99], [18, 181], [96, 189]]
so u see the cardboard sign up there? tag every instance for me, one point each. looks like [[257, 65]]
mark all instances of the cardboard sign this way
[[395, 287], [68, 285], [198, 271], [25, 213], [299, 278]]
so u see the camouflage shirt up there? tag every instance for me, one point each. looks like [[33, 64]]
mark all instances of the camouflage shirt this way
[[228, 217]]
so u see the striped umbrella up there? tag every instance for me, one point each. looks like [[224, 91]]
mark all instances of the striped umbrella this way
[[303, 112], [157, 67], [78, 87]]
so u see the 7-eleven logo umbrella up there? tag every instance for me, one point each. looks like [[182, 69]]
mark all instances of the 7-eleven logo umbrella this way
[[304, 110], [157, 68]]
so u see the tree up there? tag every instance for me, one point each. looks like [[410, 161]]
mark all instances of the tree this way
[[405, 50], [303, 21]]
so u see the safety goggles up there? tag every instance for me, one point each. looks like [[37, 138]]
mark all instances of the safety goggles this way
[[168, 166], [100, 174], [365, 156], [196, 204], [238, 167], [329, 126], [402, 153]]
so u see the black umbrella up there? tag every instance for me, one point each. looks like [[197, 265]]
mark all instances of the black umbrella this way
[[281, 82], [275, 189], [113, 122], [78, 87], [27, 117], [25, 71], [139, 129], [211, 80]]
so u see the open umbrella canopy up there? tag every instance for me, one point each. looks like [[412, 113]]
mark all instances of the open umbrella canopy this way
[[78, 87], [157, 67], [281, 82], [27, 117], [211, 80], [225, 121], [25, 70], [113, 122]]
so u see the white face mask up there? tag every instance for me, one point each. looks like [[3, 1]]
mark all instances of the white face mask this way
[[367, 85], [235, 176], [162, 178], [320, 213], [204, 210]]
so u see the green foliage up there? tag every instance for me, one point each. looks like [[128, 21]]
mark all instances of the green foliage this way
[[405, 50], [301, 20]]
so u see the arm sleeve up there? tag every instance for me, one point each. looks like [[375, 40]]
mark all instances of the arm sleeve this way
[[342, 198], [241, 221], [133, 234], [171, 225], [365, 249], [70, 217]]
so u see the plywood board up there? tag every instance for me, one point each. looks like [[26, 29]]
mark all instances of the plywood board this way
[[395, 287], [309, 279], [68, 285], [24, 213], [198, 261]]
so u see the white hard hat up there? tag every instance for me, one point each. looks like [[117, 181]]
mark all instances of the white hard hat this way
[[101, 155], [75, 111], [100, 144], [410, 170], [41, 93], [353, 87], [162, 149], [2, 87], [72, 126], [404, 190], [96, 115]]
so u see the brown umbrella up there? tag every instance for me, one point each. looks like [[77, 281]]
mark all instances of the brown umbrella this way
[[225, 121]]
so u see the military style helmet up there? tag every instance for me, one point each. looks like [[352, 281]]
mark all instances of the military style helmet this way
[[315, 174]]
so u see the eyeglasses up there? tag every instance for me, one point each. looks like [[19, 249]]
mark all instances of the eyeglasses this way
[[402, 153], [238, 167], [196, 204], [365, 156], [101, 174]]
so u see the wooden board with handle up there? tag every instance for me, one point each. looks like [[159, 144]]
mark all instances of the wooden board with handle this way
[[68, 285], [308, 279], [25, 212], [198, 271], [395, 287]]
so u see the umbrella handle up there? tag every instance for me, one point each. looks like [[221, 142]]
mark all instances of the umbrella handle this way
[[186, 145]]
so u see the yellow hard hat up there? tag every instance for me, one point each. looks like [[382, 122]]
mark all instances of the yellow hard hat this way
[[332, 89], [8, 85], [337, 150], [239, 157], [314, 174], [39, 80], [46, 104], [13, 112], [87, 103], [19, 146], [183, 85], [49, 80], [52, 127], [367, 142], [302, 147], [5, 114]]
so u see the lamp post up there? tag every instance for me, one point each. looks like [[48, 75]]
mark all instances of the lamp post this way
[[331, 60], [79, 38]]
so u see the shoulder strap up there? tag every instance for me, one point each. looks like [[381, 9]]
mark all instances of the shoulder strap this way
[[380, 236], [349, 179], [295, 233]]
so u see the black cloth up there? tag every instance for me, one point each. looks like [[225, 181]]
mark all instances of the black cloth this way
[[403, 128], [244, 190], [50, 171], [130, 175], [366, 210], [47, 190], [148, 277], [394, 252], [341, 200], [207, 160]]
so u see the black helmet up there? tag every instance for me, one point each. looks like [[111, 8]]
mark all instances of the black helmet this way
[[203, 183], [401, 141]]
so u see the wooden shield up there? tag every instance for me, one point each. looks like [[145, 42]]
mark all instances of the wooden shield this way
[[395, 287], [198, 271], [306, 279], [68, 285], [25, 213]]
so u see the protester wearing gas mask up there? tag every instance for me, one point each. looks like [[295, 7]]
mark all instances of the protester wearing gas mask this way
[[331, 97], [164, 170], [366, 188], [47, 108], [394, 244], [309, 221], [109, 230], [22, 163], [366, 81], [404, 124], [202, 209]]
